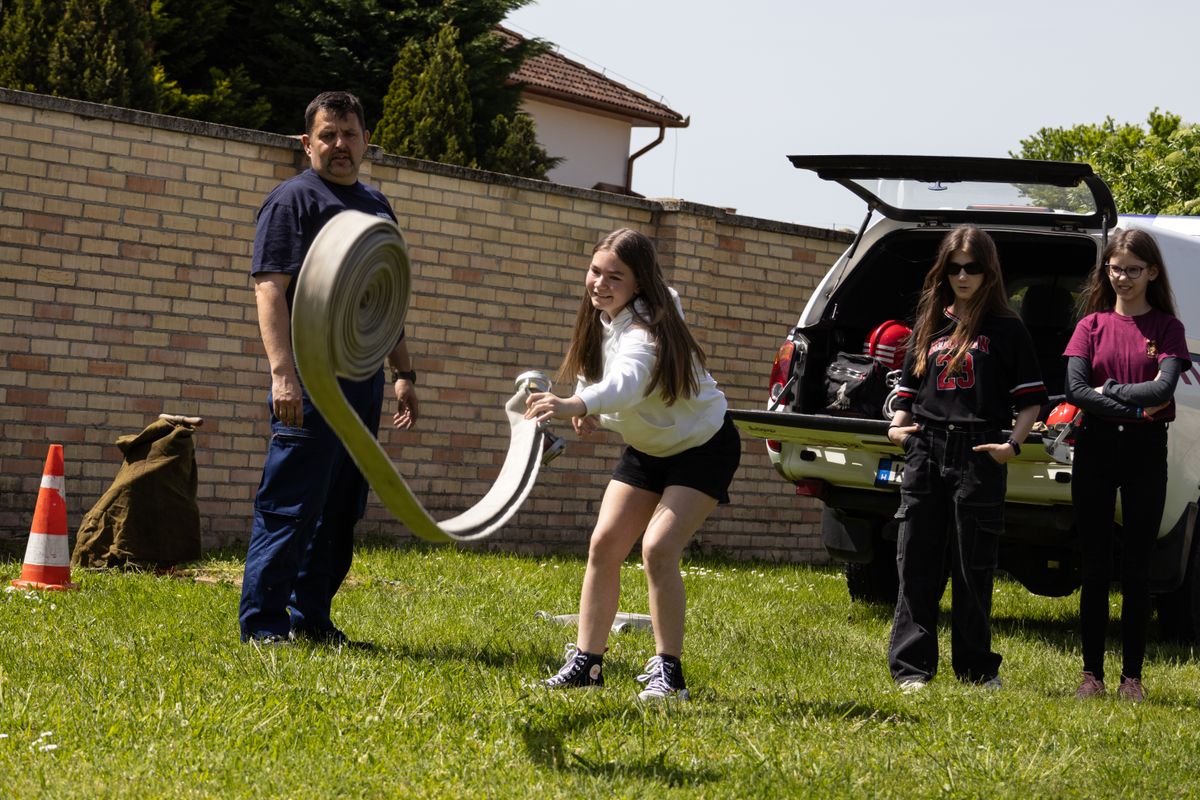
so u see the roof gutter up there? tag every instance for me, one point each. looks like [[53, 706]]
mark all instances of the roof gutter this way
[[662, 133]]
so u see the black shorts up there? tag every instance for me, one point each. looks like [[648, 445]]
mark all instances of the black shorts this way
[[707, 468]]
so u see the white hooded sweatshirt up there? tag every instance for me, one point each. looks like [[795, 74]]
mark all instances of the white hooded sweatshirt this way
[[619, 398]]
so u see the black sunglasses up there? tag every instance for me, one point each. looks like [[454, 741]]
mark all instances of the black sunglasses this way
[[971, 267]]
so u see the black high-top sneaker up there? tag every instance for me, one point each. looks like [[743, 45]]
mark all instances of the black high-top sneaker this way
[[580, 670], [664, 680]]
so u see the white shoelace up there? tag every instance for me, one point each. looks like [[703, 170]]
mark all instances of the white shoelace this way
[[655, 677], [568, 667]]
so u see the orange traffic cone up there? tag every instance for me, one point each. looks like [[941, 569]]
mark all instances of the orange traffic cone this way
[[47, 556]]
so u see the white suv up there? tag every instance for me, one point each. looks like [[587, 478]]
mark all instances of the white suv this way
[[1049, 221]]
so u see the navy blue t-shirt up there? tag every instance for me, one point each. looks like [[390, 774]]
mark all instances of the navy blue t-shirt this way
[[294, 213]]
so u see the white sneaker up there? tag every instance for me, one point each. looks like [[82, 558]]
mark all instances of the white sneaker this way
[[993, 683], [911, 685], [663, 681]]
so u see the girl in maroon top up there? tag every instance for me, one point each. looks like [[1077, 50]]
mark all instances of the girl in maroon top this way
[[1124, 360]]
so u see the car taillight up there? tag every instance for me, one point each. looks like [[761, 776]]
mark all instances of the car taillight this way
[[811, 487], [781, 373]]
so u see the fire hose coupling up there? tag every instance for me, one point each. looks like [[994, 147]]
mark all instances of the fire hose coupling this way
[[552, 446], [534, 380], [537, 381]]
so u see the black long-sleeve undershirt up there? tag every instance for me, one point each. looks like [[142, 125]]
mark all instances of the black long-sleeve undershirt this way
[[1120, 399]]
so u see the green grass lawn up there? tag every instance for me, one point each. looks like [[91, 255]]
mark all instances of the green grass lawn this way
[[136, 686]]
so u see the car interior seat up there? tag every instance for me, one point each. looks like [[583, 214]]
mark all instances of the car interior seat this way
[[1048, 311]]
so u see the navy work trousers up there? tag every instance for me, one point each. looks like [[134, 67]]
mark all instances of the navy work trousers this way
[[951, 513], [308, 502], [1131, 458]]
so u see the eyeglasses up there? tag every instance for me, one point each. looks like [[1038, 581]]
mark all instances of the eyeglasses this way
[[1133, 273], [971, 268]]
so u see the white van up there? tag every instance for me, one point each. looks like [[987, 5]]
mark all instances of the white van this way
[[1050, 221]]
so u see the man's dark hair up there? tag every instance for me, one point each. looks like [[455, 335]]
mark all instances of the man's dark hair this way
[[339, 104]]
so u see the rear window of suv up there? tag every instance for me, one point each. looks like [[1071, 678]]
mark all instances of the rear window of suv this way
[[971, 195]]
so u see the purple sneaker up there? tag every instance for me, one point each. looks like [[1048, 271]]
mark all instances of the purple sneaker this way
[[1091, 686], [1131, 689]]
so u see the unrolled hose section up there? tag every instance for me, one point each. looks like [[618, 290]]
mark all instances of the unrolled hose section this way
[[351, 297]]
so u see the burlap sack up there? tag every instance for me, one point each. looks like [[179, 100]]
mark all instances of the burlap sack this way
[[148, 518]]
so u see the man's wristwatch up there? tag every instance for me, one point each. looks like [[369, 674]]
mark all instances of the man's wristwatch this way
[[1016, 447], [409, 375]]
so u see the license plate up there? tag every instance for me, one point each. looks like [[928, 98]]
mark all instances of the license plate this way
[[890, 472]]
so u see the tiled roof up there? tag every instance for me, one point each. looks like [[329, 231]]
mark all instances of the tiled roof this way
[[551, 74]]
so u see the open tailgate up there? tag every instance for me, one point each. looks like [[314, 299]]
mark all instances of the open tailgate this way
[[855, 454]]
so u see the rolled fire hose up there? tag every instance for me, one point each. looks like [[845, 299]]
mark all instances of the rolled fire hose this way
[[347, 314]]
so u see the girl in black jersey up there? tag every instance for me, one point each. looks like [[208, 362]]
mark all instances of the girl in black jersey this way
[[970, 364]]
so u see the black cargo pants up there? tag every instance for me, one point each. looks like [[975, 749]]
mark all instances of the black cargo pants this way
[[951, 503]]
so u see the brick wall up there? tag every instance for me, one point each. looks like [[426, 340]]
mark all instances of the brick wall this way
[[125, 241]]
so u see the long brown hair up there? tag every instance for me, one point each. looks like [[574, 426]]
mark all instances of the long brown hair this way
[[937, 294], [1098, 293], [653, 308]]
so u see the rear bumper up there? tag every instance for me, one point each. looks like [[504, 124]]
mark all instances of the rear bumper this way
[[1031, 481]]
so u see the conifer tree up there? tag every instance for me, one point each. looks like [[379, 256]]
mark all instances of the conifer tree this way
[[428, 114], [101, 52], [518, 151], [431, 112], [25, 36], [257, 63], [393, 122], [230, 98]]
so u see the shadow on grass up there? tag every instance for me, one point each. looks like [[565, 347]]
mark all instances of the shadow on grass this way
[[545, 742], [1061, 632], [780, 705], [487, 654], [861, 610]]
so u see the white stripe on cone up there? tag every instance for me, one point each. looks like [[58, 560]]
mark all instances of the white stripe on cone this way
[[45, 549], [56, 482]]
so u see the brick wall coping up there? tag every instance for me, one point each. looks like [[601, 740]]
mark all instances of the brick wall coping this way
[[86, 109]]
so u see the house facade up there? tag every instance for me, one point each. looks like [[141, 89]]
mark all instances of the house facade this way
[[587, 119]]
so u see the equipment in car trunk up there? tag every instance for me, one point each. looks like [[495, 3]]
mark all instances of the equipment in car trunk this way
[[888, 343], [1062, 422], [855, 386]]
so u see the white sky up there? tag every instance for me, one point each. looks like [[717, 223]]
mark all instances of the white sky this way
[[764, 79]]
